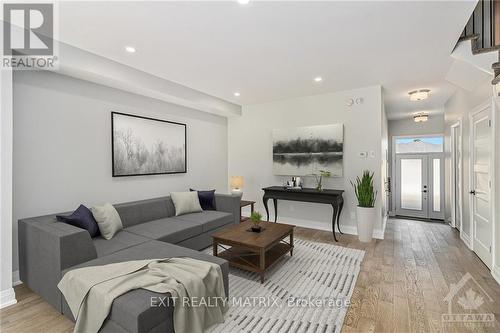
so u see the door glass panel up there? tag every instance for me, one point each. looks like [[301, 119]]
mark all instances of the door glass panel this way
[[419, 145], [411, 184], [436, 184]]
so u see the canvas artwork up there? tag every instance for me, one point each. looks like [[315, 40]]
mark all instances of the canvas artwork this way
[[303, 151], [146, 146]]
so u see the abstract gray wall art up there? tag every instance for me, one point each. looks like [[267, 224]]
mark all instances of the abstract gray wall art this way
[[303, 151], [147, 146]]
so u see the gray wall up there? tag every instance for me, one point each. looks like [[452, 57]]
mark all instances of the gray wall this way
[[62, 146], [250, 150], [7, 295]]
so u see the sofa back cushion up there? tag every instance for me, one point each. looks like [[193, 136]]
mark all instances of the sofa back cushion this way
[[136, 212]]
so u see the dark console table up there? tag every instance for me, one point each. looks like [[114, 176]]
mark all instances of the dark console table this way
[[331, 197]]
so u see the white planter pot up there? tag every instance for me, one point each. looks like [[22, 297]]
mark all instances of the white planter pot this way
[[366, 220]]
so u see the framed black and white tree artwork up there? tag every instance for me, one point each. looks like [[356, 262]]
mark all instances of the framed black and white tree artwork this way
[[303, 151], [147, 146]]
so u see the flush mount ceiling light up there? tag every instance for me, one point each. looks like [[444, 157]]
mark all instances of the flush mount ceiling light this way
[[130, 49], [420, 117], [318, 79], [243, 2], [419, 95], [237, 94]]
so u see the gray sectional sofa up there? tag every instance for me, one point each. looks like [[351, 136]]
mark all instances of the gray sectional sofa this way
[[48, 249]]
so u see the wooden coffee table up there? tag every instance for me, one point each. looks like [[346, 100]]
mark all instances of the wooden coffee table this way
[[253, 251]]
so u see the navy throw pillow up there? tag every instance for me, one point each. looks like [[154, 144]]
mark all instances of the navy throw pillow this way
[[207, 199], [81, 218]]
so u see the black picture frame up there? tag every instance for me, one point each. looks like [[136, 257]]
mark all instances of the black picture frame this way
[[113, 171]]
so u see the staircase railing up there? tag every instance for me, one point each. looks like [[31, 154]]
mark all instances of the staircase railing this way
[[484, 25]]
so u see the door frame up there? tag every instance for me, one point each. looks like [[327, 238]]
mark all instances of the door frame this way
[[455, 161], [393, 165], [492, 104]]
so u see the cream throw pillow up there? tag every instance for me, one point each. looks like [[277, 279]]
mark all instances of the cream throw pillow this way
[[108, 220], [186, 202]]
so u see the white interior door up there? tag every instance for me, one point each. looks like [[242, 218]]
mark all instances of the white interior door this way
[[480, 184], [411, 187]]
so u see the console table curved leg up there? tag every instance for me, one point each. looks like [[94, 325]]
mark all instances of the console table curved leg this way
[[264, 200], [275, 201], [334, 217], [341, 205]]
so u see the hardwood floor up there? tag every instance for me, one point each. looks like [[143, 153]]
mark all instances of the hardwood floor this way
[[401, 287]]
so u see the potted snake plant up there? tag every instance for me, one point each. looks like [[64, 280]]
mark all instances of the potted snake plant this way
[[365, 211]]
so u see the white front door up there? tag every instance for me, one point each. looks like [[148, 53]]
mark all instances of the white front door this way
[[480, 184]]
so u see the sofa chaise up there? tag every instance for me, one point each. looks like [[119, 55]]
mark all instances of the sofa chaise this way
[[48, 249]]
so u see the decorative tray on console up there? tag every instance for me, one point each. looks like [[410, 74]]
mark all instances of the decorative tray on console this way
[[292, 187]]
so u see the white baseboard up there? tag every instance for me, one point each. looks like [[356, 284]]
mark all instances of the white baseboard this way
[[495, 272], [465, 238], [7, 298], [15, 279]]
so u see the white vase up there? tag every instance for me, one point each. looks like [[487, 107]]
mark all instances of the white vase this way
[[366, 220]]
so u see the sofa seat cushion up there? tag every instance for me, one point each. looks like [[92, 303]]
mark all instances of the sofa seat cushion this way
[[133, 310], [171, 230], [209, 219], [120, 241]]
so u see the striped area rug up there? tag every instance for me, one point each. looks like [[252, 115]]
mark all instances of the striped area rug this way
[[308, 292]]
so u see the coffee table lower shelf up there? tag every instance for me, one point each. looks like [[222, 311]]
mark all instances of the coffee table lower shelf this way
[[253, 261]]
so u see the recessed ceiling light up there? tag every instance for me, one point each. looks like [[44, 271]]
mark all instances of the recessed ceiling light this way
[[130, 49], [318, 79], [237, 94], [243, 2], [419, 95]]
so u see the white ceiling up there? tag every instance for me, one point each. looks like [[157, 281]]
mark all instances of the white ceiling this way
[[272, 50]]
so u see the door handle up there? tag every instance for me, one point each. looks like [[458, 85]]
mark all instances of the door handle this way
[[473, 192]]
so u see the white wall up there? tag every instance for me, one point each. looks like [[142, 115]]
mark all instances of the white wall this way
[[407, 126], [250, 150], [62, 146], [458, 107], [7, 296]]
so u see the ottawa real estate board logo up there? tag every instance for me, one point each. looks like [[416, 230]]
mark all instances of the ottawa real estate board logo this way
[[28, 36]]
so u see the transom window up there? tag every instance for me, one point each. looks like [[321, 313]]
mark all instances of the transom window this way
[[428, 144]]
